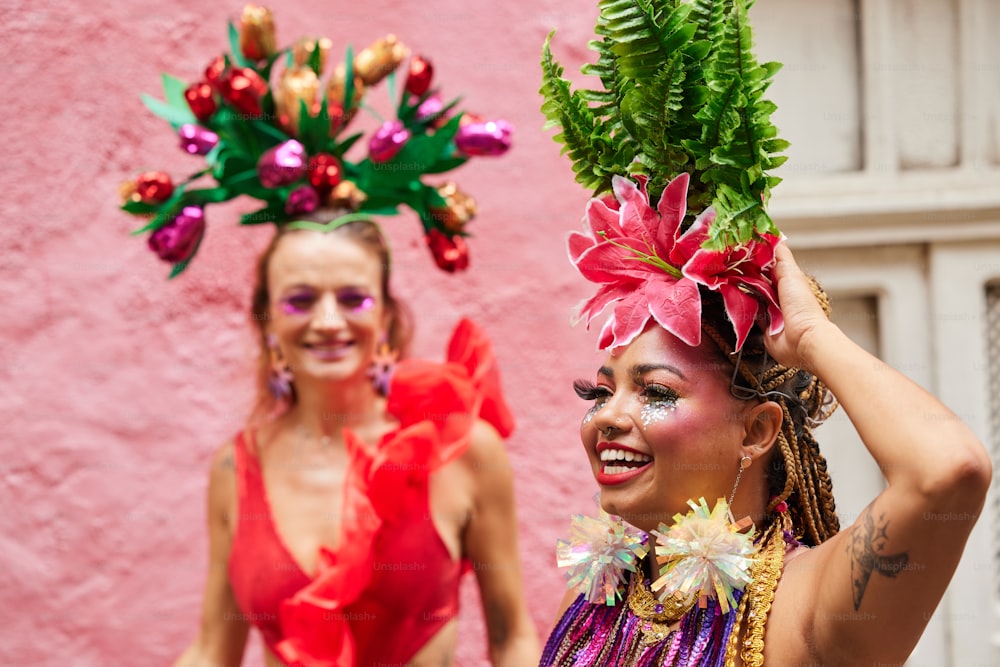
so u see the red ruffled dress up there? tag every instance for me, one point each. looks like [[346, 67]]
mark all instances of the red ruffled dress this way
[[392, 584]]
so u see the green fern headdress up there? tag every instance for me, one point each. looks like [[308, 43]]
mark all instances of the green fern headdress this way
[[680, 118]]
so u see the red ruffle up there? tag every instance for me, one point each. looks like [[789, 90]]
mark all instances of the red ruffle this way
[[437, 405]]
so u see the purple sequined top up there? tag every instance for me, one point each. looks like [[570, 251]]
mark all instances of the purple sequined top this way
[[596, 635]]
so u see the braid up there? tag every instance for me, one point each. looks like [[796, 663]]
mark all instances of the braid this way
[[799, 476]]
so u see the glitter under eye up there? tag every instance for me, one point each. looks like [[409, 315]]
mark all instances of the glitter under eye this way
[[656, 412]]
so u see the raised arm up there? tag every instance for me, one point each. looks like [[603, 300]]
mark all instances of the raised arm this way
[[223, 633], [866, 595], [491, 544]]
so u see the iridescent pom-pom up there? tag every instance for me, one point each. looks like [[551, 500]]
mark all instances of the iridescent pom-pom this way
[[598, 553], [704, 554]]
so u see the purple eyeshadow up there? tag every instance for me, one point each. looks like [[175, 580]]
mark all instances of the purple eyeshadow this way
[[356, 301], [297, 304], [351, 300]]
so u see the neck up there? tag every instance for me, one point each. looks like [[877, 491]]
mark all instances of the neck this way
[[325, 408]]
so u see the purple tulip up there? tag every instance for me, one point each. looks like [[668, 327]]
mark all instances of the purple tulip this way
[[491, 137], [388, 141], [302, 200], [282, 164], [176, 241], [196, 139], [430, 108]]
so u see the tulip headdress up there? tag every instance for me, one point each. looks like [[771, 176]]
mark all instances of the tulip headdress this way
[[285, 144], [680, 118]]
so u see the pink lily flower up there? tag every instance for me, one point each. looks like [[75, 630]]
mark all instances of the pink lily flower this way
[[647, 268], [742, 275], [636, 253]]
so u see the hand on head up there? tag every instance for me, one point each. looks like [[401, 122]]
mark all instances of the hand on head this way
[[803, 314]]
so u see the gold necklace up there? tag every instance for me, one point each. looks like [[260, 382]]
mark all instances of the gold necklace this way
[[755, 605], [657, 616]]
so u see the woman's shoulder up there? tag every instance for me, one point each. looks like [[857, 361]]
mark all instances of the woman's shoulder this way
[[224, 457], [487, 451]]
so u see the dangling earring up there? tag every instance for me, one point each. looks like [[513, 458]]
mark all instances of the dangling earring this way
[[383, 366], [745, 463], [279, 381]]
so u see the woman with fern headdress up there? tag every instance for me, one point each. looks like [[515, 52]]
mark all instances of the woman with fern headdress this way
[[721, 361]]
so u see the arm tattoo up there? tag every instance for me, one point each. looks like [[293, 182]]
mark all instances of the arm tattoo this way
[[867, 541]]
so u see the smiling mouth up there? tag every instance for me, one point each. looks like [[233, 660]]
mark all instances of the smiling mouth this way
[[621, 461], [328, 350]]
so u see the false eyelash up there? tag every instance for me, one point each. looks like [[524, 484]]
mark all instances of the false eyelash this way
[[659, 392], [589, 391]]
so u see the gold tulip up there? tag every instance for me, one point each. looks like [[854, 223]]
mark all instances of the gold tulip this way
[[458, 210], [298, 84], [346, 195], [303, 50], [375, 62], [257, 38]]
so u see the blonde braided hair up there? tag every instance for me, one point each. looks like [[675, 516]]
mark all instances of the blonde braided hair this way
[[799, 477]]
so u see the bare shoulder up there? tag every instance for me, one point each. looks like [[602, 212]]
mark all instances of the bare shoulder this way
[[487, 453], [225, 456], [223, 467]]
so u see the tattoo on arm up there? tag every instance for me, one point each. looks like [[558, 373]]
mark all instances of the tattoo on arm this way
[[868, 540]]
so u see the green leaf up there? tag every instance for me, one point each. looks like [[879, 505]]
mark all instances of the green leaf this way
[[316, 59], [234, 48], [391, 84], [709, 16], [645, 34], [165, 212], [314, 130], [179, 267], [173, 91], [273, 212], [349, 80], [445, 164], [346, 144], [265, 129], [176, 116], [138, 207], [384, 209], [580, 133]]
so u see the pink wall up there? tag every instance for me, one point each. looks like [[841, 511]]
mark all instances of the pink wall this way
[[120, 385]]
